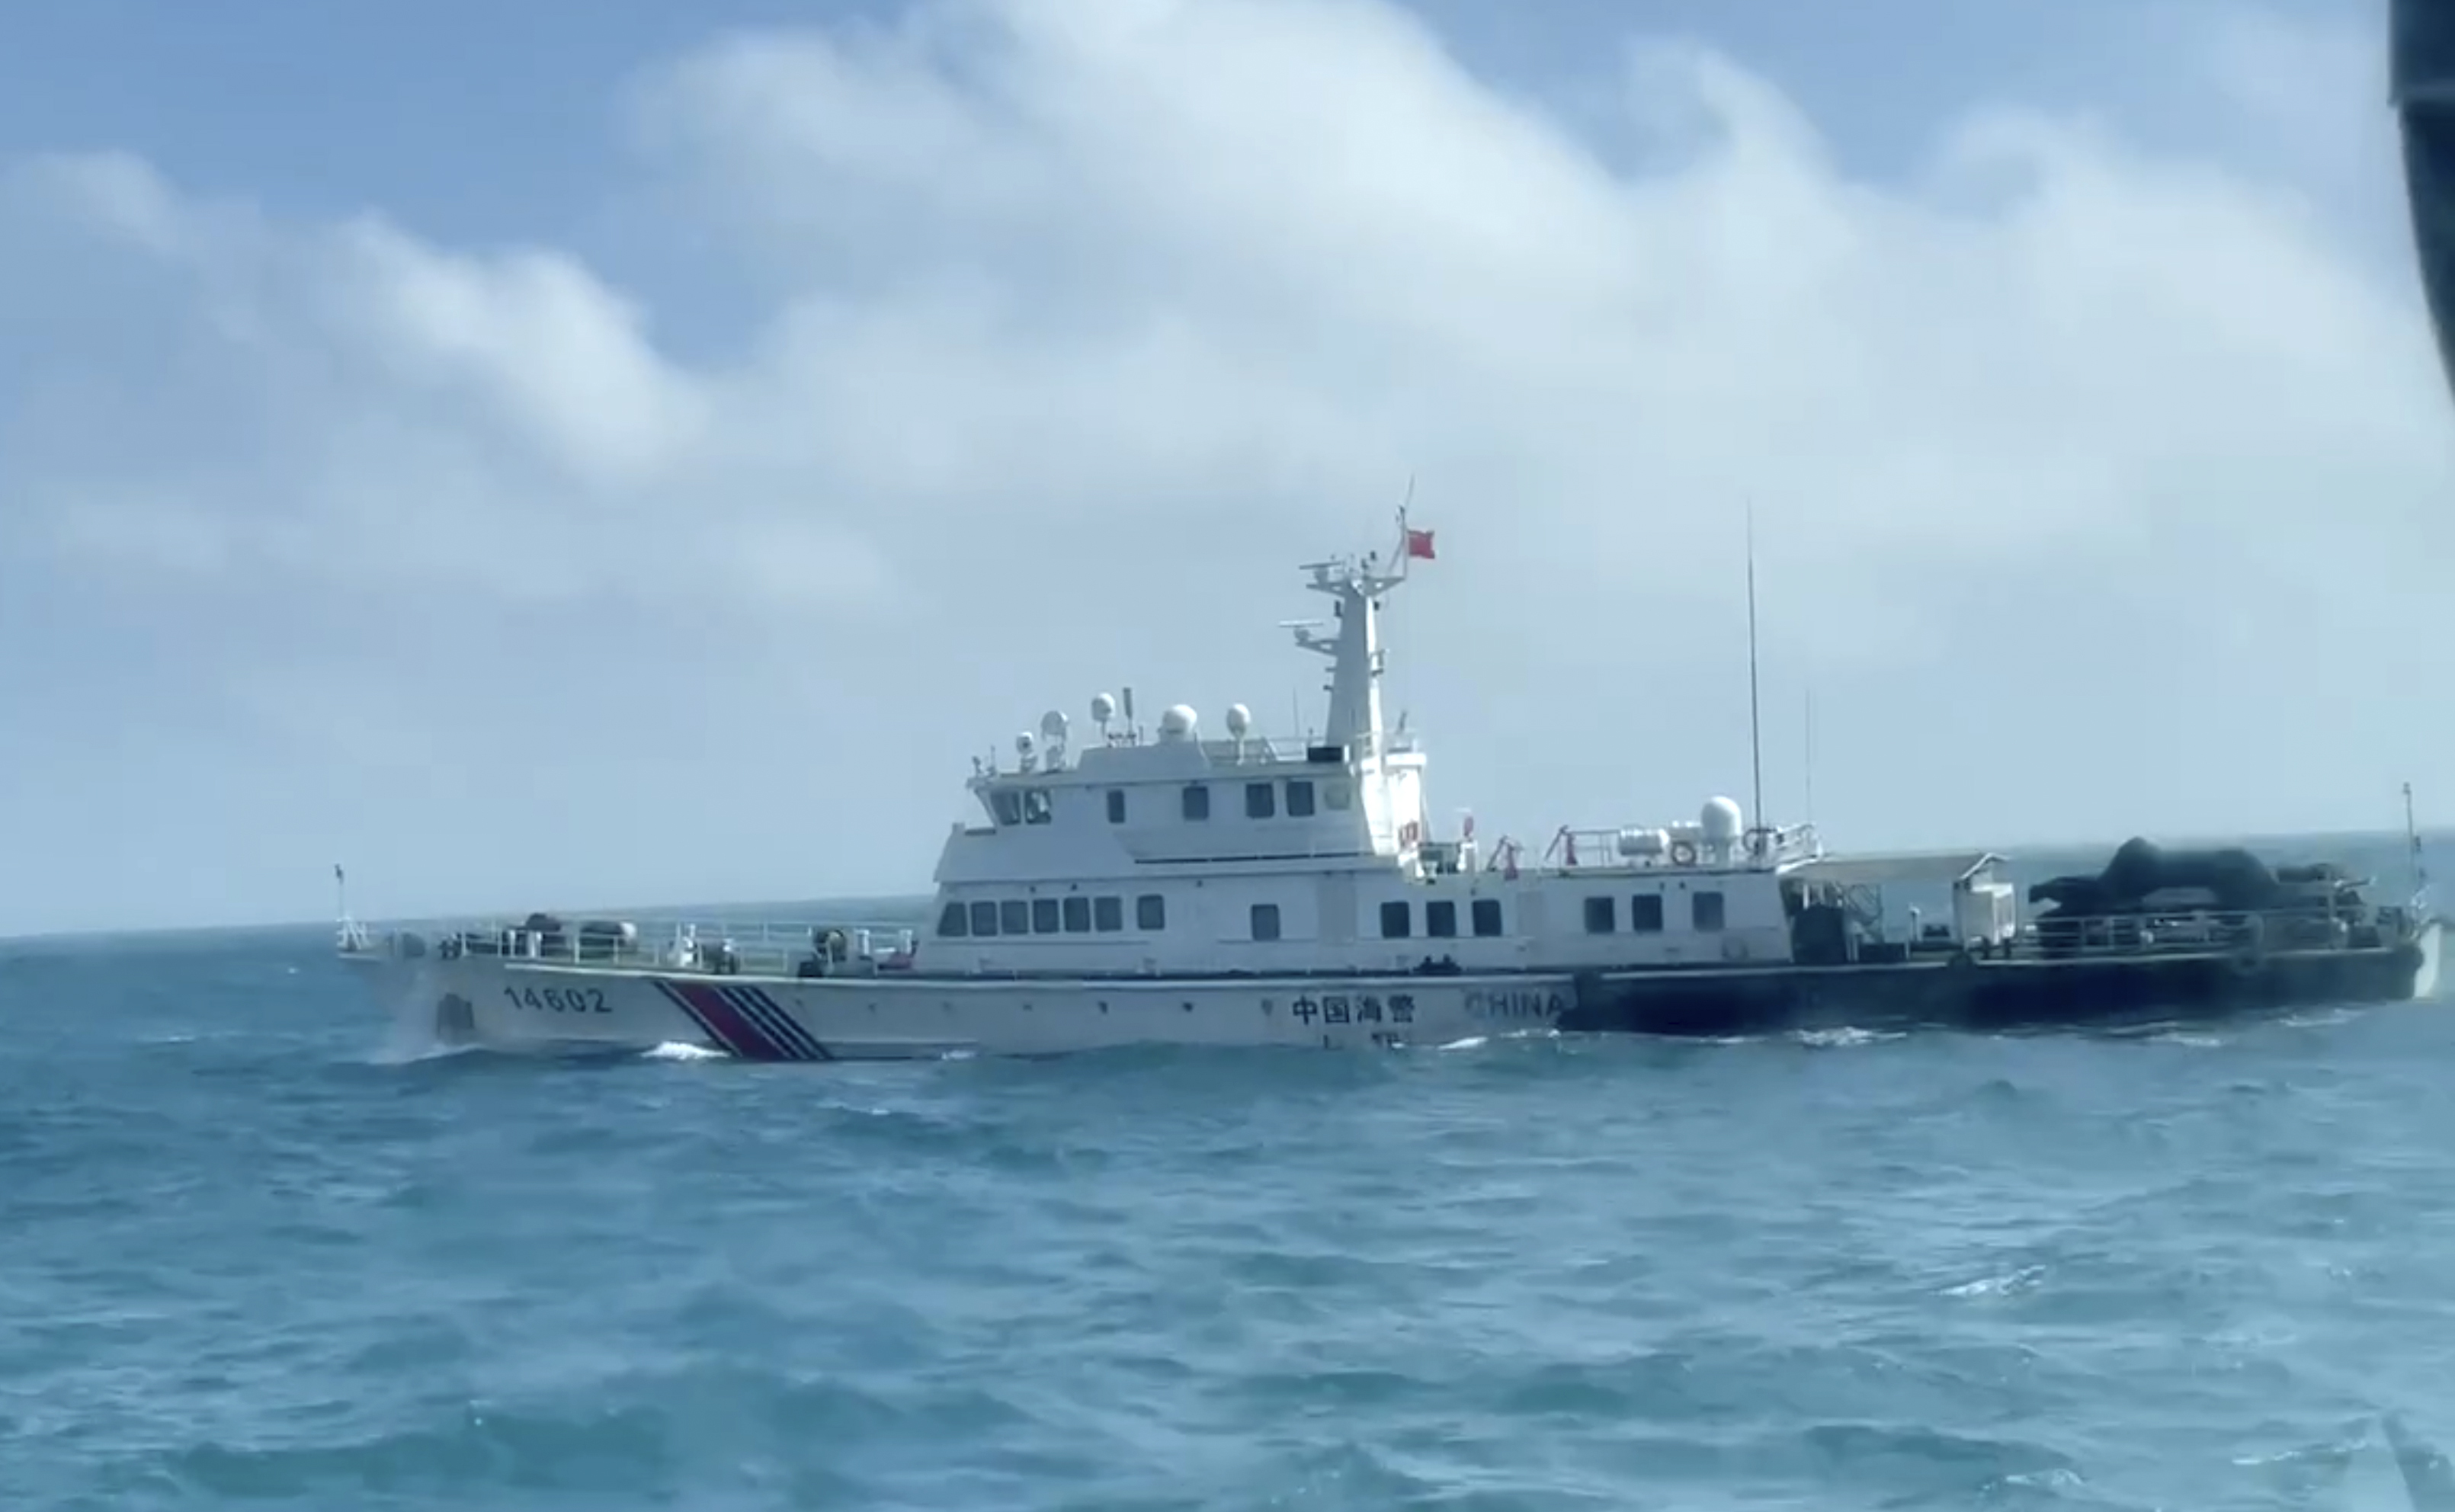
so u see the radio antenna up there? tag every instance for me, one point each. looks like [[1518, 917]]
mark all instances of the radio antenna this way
[[1810, 757], [1755, 721]]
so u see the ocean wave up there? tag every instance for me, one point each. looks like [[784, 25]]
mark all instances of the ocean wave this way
[[249, 1265]]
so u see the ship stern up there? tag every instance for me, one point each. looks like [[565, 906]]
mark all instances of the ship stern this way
[[2426, 947]]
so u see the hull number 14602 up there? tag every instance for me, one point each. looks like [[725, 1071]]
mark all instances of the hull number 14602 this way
[[559, 999]]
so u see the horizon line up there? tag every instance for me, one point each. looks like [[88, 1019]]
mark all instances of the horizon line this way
[[2010, 852]]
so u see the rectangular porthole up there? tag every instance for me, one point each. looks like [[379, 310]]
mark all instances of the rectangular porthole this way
[[1706, 908]]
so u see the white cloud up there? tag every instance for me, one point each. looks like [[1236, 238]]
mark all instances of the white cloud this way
[[1060, 297]]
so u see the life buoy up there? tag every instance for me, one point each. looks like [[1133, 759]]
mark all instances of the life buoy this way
[[1683, 853], [1759, 843]]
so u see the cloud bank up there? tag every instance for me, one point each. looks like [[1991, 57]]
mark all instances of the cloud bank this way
[[2098, 488]]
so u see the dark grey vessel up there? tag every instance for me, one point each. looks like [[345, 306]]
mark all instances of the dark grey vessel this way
[[2158, 934]]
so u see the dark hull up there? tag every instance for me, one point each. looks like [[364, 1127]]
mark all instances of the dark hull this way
[[1975, 994]]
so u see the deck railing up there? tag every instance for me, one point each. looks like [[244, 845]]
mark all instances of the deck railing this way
[[1581, 851], [718, 946], [1255, 747], [2251, 931]]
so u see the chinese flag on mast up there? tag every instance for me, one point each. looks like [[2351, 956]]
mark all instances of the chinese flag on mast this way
[[1419, 543]]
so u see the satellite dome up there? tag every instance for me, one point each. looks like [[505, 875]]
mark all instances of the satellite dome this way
[[1721, 819]]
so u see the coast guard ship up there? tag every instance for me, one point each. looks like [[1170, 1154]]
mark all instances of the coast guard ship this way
[[1171, 886]]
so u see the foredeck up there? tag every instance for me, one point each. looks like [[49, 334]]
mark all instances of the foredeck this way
[[713, 947]]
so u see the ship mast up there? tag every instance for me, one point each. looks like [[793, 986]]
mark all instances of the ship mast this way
[[1354, 647]]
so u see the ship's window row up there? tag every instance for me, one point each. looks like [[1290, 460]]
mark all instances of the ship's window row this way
[[1440, 918], [1645, 916], [1294, 799], [1080, 914], [1076, 914]]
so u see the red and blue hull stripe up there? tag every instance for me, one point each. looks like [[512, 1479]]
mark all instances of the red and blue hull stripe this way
[[743, 1021]]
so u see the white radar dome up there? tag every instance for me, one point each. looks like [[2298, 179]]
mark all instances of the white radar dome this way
[[1721, 820], [1103, 708], [1178, 723], [1239, 719]]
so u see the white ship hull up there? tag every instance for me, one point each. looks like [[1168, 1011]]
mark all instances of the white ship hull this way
[[509, 1004]]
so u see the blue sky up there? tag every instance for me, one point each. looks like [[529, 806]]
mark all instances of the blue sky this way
[[641, 451]]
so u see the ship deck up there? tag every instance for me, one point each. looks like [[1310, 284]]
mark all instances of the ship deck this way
[[778, 951]]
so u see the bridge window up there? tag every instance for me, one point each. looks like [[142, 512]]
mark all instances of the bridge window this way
[[1078, 914], [953, 922], [1261, 800], [984, 918], [1035, 806], [1116, 805], [1602, 916], [1705, 909], [1107, 915], [1151, 912], [1300, 797], [1645, 912], [1007, 805], [1044, 916], [1440, 918], [1014, 917], [1396, 920], [1486, 916], [1197, 802], [1266, 921]]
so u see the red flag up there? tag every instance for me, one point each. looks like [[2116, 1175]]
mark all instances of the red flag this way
[[1419, 543]]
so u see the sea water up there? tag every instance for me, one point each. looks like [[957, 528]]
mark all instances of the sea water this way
[[252, 1253]]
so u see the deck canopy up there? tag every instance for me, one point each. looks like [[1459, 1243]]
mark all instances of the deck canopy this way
[[1937, 868]]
